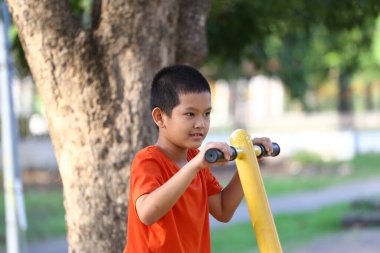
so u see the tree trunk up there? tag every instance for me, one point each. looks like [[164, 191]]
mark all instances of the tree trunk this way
[[95, 86], [368, 97], [344, 99]]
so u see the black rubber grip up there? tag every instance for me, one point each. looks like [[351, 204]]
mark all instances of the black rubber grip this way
[[213, 155], [275, 150]]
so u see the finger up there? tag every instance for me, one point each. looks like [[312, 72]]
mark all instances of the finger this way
[[268, 145], [226, 151], [266, 142]]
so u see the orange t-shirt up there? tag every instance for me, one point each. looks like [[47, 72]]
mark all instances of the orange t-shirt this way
[[185, 228]]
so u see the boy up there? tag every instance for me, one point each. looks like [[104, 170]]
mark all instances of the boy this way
[[172, 190]]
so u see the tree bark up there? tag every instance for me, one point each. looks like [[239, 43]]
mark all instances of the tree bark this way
[[95, 86]]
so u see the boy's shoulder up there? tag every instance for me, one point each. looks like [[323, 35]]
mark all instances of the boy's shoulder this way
[[154, 152], [149, 151]]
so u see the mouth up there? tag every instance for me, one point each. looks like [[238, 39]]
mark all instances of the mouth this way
[[198, 135]]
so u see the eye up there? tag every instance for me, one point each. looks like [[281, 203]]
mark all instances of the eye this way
[[189, 114], [207, 114]]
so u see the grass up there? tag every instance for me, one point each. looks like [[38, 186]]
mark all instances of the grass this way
[[318, 174], [45, 214], [293, 229], [287, 184], [297, 229]]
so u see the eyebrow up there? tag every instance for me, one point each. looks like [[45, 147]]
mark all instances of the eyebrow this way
[[196, 109]]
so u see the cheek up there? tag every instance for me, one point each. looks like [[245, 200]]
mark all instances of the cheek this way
[[181, 124], [207, 121]]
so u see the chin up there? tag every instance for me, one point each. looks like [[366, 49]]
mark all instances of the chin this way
[[195, 145]]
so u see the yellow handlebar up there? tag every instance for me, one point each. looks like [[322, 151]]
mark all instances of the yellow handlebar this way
[[254, 192]]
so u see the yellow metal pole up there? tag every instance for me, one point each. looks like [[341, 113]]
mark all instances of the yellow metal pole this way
[[254, 192]]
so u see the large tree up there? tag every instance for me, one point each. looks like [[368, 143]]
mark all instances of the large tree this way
[[94, 82]]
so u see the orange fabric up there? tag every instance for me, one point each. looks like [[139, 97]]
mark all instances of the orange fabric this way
[[185, 228]]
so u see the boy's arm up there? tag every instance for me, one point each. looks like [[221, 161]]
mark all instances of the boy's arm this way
[[223, 204], [152, 206]]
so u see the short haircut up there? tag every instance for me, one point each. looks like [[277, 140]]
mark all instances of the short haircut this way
[[172, 81]]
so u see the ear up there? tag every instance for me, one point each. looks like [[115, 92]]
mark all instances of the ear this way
[[158, 117]]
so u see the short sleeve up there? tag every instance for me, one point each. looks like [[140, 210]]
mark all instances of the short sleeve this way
[[145, 177], [213, 185]]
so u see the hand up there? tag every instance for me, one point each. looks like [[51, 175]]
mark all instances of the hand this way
[[222, 146], [266, 142]]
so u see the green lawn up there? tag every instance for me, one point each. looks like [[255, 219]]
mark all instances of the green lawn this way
[[320, 174], [297, 229], [45, 212], [294, 229]]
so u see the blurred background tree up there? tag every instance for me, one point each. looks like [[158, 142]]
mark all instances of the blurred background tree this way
[[304, 43], [299, 41]]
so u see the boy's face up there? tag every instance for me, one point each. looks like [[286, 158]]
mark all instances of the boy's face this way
[[189, 123]]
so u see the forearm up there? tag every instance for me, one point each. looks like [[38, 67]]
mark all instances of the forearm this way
[[153, 206], [231, 196], [223, 205]]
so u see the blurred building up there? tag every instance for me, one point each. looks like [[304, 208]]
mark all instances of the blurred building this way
[[247, 103], [266, 99]]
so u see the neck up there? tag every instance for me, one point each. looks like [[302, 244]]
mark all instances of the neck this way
[[176, 154]]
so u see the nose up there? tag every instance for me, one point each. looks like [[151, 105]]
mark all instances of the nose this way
[[200, 123]]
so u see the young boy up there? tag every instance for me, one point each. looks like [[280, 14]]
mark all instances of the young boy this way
[[172, 190]]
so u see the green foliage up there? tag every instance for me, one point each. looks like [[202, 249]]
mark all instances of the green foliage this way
[[236, 30], [81, 10], [235, 25], [307, 158], [376, 41], [305, 38], [296, 40], [18, 53]]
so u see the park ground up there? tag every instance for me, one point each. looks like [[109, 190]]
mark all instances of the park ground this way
[[356, 239]]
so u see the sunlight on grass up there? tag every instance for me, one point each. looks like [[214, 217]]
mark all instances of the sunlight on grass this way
[[45, 214], [293, 229], [316, 174]]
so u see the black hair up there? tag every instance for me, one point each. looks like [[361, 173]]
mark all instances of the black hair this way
[[172, 81]]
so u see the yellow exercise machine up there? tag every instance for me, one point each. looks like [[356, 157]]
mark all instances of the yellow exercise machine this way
[[245, 154]]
